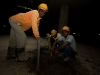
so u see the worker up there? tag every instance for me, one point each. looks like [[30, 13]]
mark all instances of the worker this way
[[53, 37], [20, 23], [66, 45]]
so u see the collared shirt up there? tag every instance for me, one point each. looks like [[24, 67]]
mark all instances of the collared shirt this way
[[58, 36], [70, 39], [28, 20]]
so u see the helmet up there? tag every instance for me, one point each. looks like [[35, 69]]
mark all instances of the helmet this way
[[53, 32], [66, 28], [43, 6]]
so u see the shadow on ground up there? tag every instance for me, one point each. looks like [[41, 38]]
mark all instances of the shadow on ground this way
[[56, 66]]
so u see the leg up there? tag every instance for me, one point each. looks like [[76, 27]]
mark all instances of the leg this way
[[20, 39], [12, 39], [61, 52], [19, 33], [69, 53], [60, 43], [51, 44], [12, 45], [51, 41]]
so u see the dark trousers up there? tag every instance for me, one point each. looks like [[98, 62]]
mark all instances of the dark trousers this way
[[67, 50], [51, 41]]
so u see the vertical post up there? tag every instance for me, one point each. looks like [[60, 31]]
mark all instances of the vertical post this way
[[38, 54], [63, 17]]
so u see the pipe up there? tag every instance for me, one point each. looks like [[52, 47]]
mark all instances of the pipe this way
[[38, 54]]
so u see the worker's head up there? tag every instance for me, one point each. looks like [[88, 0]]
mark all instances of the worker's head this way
[[54, 33], [65, 31], [42, 8]]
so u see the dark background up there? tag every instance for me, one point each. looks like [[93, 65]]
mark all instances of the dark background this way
[[84, 20]]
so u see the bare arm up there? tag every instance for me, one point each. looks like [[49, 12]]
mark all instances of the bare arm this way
[[54, 44]]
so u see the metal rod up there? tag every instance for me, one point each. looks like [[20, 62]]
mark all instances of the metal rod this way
[[38, 54]]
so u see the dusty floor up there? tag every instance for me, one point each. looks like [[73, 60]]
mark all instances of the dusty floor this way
[[87, 62]]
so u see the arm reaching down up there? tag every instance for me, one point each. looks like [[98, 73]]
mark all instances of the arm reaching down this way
[[35, 20]]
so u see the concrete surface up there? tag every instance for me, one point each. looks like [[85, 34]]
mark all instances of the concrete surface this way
[[88, 57]]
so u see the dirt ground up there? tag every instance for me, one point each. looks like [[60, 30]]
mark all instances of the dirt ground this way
[[87, 61], [56, 66]]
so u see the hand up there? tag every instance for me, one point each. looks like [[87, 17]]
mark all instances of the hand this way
[[52, 49], [37, 37], [56, 52]]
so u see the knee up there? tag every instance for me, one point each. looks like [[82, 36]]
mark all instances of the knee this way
[[24, 37], [60, 43], [68, 47]]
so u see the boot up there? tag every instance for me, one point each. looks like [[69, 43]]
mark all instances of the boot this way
[[20, 55], [11, 53]]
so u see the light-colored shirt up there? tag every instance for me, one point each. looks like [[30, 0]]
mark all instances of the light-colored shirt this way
[[70, 39], [58, 36], [28, 20]]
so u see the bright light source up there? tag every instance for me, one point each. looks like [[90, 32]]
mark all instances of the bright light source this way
[[74, 33], [99, 34]]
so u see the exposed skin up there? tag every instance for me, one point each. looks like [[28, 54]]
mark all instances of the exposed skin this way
[[55, 35], [65, 34], [41, 12]]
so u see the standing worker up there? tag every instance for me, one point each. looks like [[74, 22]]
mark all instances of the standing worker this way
[[22, 22]]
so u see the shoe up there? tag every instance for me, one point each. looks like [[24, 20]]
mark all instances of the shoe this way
[[67, 59], [18, 60], [61, 55], [11, 53]]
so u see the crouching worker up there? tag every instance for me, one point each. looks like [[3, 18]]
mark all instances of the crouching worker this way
[[20, 23], [66, 45], [53, 37]]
